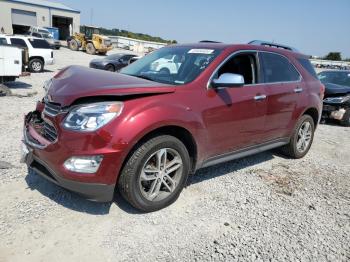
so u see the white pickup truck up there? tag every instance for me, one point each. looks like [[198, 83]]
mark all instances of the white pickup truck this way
[[39, 50], [10, 63]]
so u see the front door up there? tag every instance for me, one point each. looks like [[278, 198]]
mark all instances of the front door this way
[[236, 116]]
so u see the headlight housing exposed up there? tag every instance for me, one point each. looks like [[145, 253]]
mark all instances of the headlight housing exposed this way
[[337, 100], [91, 117]]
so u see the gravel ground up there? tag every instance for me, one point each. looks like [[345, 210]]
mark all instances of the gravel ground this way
[[264, 207]]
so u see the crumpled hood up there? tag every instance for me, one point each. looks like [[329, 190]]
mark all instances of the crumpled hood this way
[[75, 82], [333, 89]]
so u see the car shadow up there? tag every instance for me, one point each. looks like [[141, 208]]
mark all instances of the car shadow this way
[[18, 85], [64, 197], [77, 203], [222, 169]]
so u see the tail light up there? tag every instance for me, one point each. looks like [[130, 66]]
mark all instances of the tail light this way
[[323, 89]]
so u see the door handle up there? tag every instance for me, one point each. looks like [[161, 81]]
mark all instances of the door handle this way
[[298, 90], [259, 97]]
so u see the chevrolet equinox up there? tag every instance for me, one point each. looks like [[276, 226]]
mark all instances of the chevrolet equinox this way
[[143, 131]]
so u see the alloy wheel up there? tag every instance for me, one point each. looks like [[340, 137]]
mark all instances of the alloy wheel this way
[[304, 137], [161, 174]]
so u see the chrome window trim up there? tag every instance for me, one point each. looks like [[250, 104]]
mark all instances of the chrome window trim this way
[[258, 67]]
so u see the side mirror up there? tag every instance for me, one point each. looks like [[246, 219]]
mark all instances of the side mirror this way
[[228, 80]]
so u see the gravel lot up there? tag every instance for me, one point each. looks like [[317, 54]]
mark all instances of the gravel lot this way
[[264, 207]]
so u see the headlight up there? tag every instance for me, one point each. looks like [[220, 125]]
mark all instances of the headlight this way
[[337, 100], [92, 116]]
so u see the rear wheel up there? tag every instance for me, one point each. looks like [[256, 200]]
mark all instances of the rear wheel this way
[[102, 53], [301, 139], [346, 118], [36, 65], [155, 174], [73, 45], [90, 49]]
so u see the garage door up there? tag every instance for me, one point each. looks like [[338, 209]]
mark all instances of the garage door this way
[[21, 17]]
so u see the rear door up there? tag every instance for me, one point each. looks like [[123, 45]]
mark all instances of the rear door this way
[[283, 87]]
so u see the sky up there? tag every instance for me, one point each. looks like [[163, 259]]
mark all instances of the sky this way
[[315, 27]]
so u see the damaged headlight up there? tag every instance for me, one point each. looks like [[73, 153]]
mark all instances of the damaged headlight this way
[[337, 100], [92, 116]]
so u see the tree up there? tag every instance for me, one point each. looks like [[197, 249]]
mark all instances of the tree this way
[[335, 56]]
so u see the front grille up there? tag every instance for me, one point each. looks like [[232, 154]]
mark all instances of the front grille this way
[[49, 132], [52, 109]]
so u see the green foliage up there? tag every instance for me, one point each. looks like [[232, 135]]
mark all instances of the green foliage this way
[[335, 56], [140, 36]]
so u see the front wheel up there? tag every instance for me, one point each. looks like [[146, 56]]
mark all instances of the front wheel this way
[[155, 174], [301, 139]]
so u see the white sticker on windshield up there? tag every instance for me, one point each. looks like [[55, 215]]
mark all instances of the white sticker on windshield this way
[[201, 51]]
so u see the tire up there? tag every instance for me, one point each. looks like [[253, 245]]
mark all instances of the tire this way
[[346, 118], [102, 53], [291, 149], [90, 49], [36, 65], [133, 186], [164, 71], [110, 68], [73, 45]]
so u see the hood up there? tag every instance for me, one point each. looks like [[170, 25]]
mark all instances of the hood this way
[[76, 82], [334, 89]]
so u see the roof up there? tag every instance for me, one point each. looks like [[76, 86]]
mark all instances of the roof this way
[[44, 3], [223, 46]]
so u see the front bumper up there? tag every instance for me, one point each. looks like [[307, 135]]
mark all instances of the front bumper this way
[[334, 111], [47, 158], [92, 191]]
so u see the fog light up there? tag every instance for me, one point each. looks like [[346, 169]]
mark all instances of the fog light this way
[[83, 164]]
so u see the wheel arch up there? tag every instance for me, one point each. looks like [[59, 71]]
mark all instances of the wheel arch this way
[[313, 112], [181, 133], [37, 57]]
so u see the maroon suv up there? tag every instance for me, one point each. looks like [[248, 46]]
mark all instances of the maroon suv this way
[[144, 130]]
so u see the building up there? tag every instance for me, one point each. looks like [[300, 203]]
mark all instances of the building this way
[[16, 16], [136, 45]]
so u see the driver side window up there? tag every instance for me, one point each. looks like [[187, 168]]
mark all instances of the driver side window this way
[[243, 64]]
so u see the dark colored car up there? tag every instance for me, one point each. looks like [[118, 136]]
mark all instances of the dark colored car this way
[[112, 63], [336, 103], [145, 131]]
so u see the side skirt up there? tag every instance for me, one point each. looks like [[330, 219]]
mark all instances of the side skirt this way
[[245, 152]]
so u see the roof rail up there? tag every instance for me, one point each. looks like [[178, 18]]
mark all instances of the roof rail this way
[[209, 41], [271, 44]]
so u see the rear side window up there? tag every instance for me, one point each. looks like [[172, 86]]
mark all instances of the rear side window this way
[[277, 68], [18, 42], [39, 43], [308, 66]]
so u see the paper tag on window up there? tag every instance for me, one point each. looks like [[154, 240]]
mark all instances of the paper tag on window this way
[[201, 51]]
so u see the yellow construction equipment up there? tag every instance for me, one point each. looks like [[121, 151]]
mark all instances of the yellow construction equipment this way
[[90, 40]]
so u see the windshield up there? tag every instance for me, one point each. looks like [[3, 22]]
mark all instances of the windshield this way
[[338, 78], [172, 65], [114, 56], [46, 36]]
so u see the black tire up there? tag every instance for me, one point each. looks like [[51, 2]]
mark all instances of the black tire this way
[[164, 71], [36, 65], [73, 45], [102, 53], [129, 181], [346, 118], [110, 68], [290, 149], [90, 49]]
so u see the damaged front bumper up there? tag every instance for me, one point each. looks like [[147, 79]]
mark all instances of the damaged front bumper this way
[[42, 153], [334, 111]]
